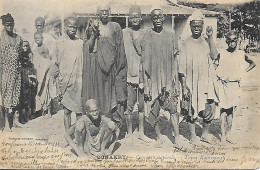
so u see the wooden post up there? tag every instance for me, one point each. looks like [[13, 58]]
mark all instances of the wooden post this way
[[126, 21], [173, 23]]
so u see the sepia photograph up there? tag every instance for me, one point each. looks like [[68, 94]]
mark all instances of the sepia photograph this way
[[129, 84]]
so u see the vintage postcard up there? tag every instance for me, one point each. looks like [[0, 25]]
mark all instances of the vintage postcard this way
[[129, 84]]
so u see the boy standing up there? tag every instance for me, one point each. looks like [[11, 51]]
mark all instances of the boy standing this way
[[232, 66]]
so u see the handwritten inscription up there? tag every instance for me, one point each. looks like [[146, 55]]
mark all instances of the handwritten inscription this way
[[40, 153]]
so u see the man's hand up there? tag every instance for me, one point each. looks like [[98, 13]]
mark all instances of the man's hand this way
[[141, 86], [95, 27], [209, 31], [147, 97]]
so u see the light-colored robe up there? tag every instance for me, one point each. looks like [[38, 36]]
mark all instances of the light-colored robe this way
[[232, 67], [197, 66], [42, 66], [70, 62]]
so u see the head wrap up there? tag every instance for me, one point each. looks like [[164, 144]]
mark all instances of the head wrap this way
[[197, 15], [7, 18]]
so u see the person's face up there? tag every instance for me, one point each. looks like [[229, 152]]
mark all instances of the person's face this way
[[93, 111], [232, 41], [57, 30], [25, 46], [196, 27], [135, 18], [157, 18], [103, 15], [39, 26], [38, 38], [71, 28], [9, 26]]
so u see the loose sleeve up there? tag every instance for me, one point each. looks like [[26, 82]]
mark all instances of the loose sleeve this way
[[182, 59], [121, 64]]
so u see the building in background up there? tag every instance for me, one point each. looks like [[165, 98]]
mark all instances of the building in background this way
[[176, 16]]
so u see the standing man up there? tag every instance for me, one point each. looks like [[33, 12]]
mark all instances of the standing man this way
[[132, 38], [160, 75], [69, 64], [105, 66], [197, 75]]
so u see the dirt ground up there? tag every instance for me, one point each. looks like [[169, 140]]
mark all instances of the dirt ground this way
[[245, 130]]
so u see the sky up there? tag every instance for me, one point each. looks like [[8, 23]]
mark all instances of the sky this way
[[25, 11]]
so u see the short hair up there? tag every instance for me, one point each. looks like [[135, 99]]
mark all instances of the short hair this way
[[70, 18], [135, 8], [38, 33], [89, 102], [152, 12], [40, 19], [232, 32], [102, 7], [7, 18]]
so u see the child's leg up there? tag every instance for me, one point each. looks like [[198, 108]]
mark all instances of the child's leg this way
[[223, 124]]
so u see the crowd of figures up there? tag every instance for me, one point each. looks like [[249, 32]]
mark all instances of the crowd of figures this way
[[105, 77]]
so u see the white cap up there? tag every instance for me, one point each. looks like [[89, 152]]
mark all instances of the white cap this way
[[197, 15]]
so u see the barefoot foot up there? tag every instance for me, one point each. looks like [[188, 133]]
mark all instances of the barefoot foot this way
[[158, 143], [144, 138]]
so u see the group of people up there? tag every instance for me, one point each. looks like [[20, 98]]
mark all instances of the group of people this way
[[113, 72]]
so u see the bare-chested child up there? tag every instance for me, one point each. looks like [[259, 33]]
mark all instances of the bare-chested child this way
[[42, 61], [233, 64], [95, 134]]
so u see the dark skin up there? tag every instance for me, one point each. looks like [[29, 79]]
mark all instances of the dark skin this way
[[39, 25], [9, 28], [71, 26], [226, 116], [232, 45], [196, 27], [135, 20], [109, 133], [97, 28], [157, 19]]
